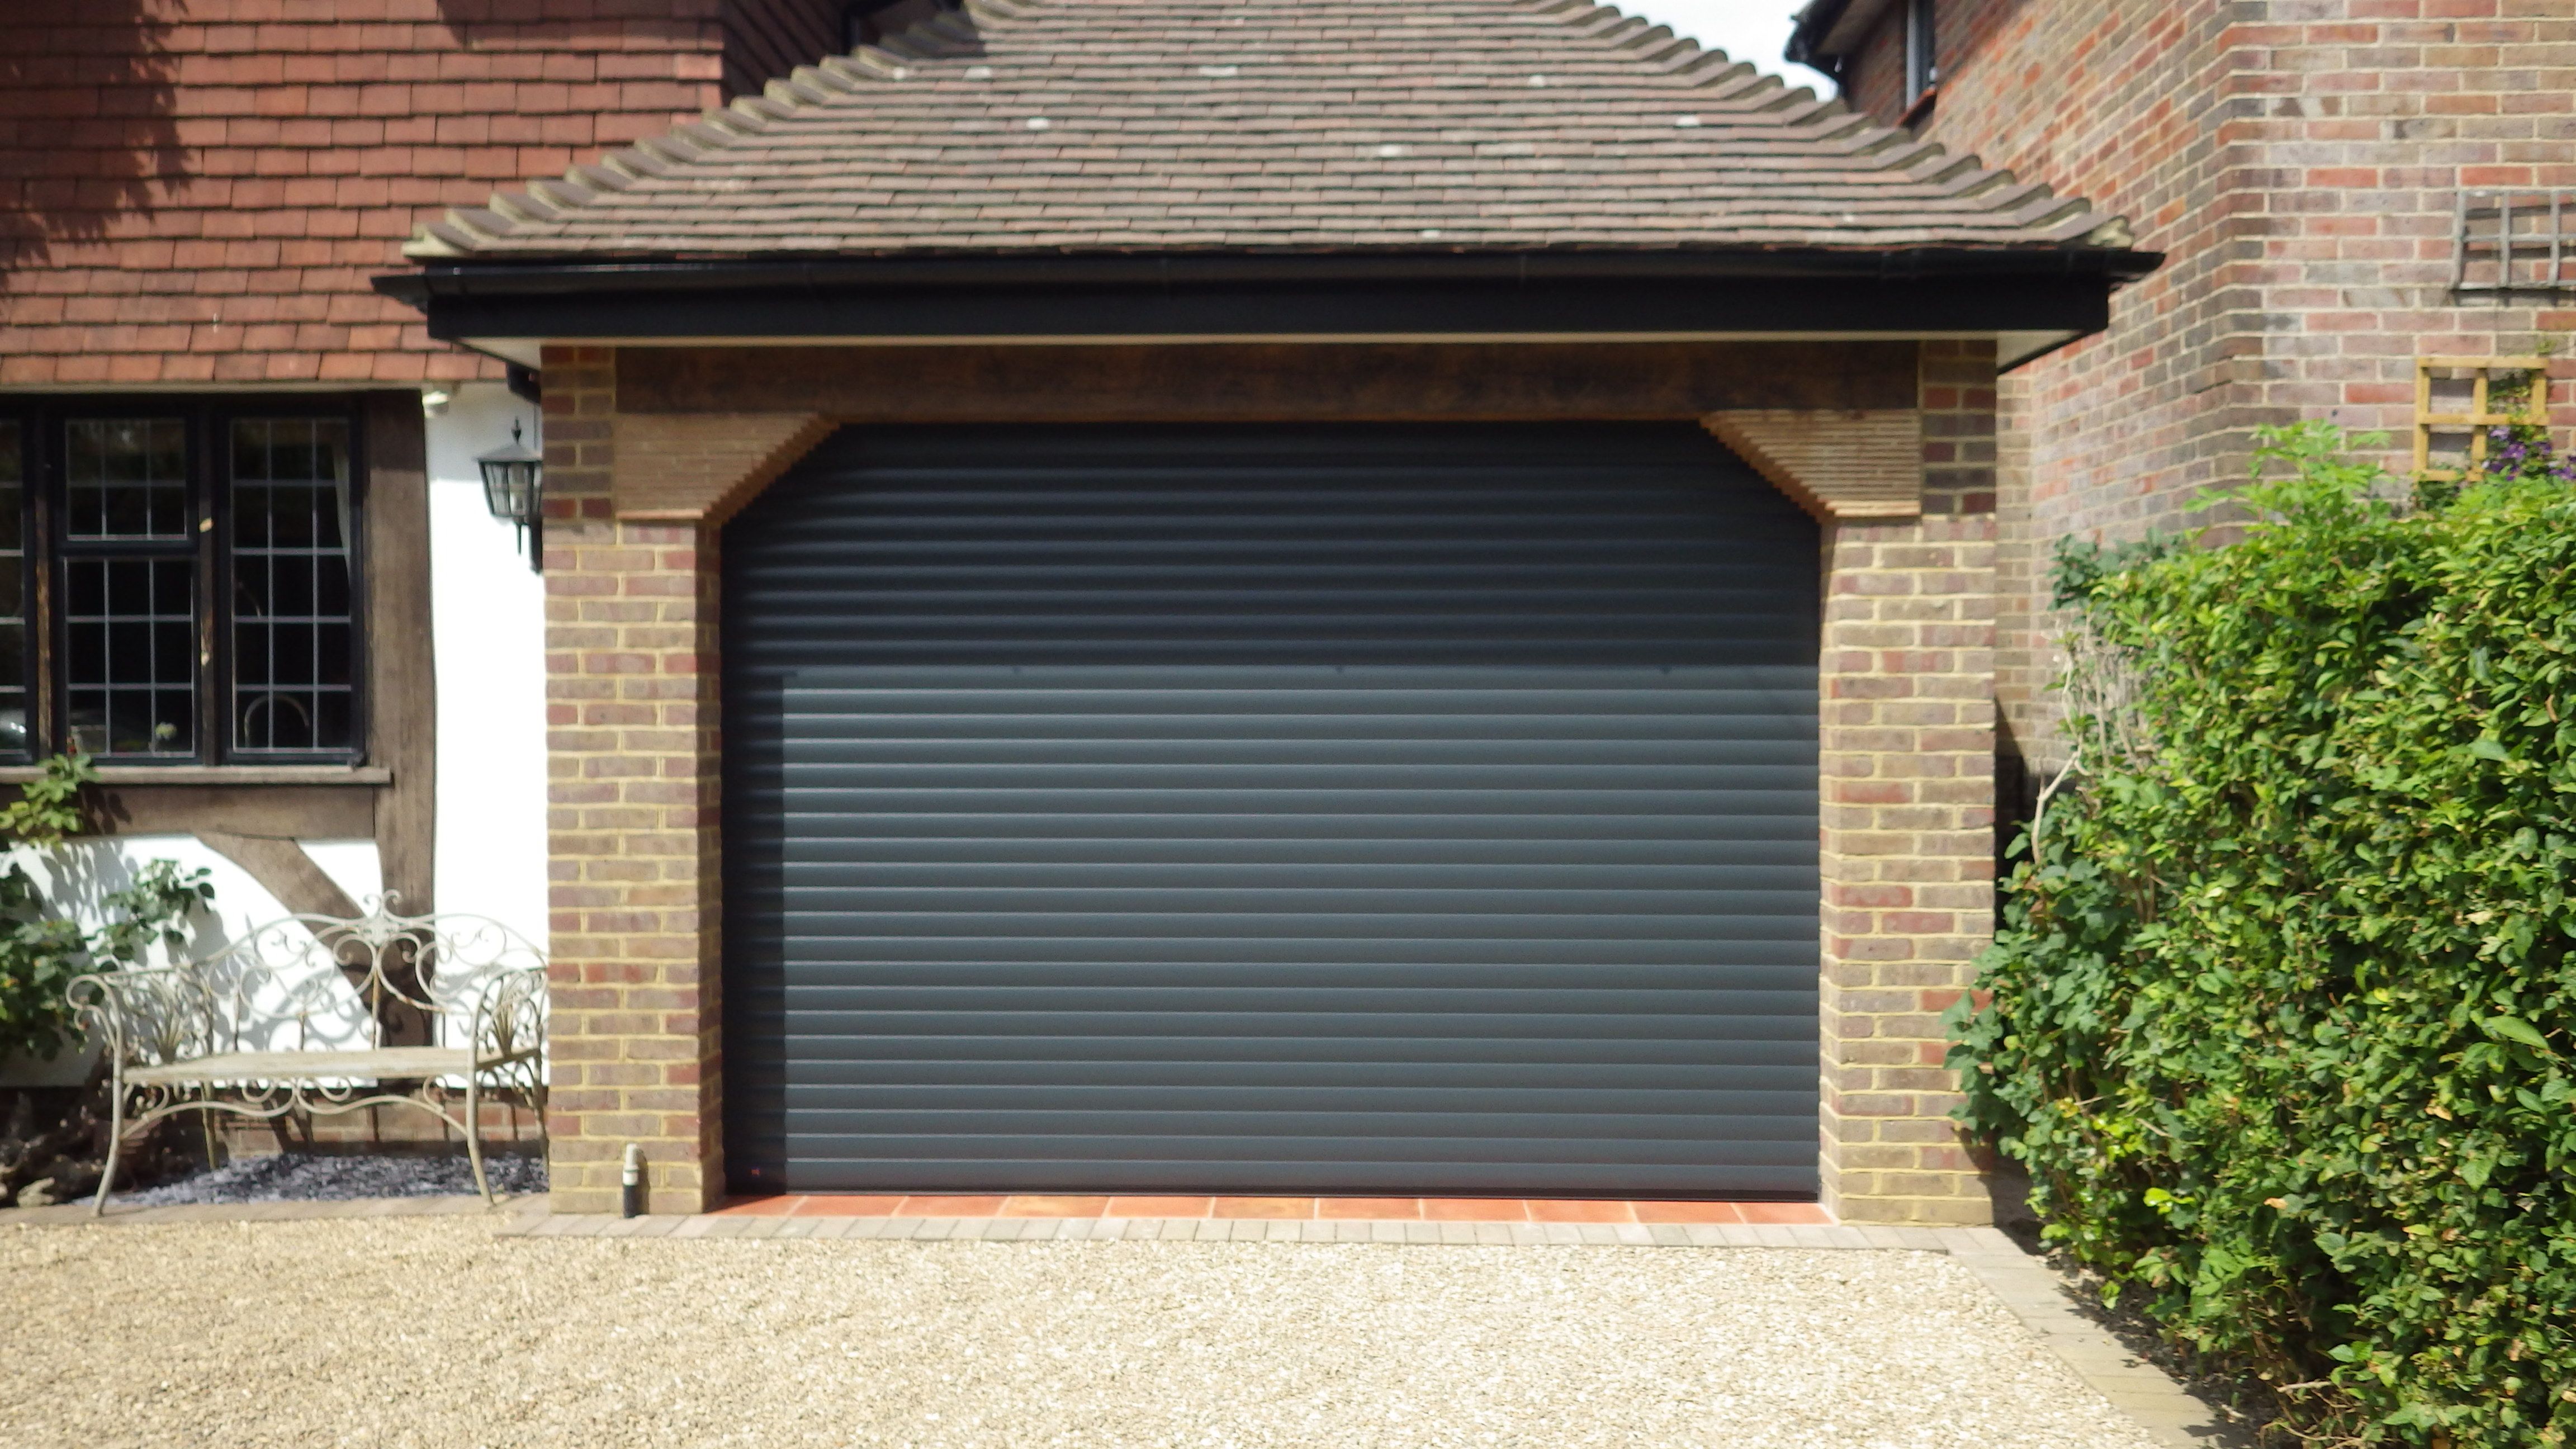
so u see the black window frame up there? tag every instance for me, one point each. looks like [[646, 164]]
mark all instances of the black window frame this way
[[207, 419], [1922, 51]]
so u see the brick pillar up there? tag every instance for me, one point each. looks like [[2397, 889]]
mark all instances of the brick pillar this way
[[1907, 848], [631, 685], [1908, 716]]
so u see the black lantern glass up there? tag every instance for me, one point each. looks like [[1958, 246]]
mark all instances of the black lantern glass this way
[[514, 484]]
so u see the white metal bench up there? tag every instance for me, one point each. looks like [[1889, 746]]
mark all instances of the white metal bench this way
[[320, 1015]]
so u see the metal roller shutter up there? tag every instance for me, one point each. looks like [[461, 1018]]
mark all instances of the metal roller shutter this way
[[1359, 808]]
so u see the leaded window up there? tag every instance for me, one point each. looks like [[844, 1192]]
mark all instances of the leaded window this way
[[294, 620], [129, 588], [179, 583], [13, 590]]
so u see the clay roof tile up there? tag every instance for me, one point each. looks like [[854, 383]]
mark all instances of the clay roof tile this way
[[1065, 125]]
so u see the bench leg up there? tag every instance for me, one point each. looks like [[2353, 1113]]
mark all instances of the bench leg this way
[[115, 1141], [474, 1134]]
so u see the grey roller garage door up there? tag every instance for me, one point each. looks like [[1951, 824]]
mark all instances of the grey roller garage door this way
[[1420, 809]]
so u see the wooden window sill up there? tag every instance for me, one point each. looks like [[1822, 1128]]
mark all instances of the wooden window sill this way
[[219, 774]]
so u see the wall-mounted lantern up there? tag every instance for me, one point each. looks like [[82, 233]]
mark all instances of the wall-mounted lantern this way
[[514, 487]]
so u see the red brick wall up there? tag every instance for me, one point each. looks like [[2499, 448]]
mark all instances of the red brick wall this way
[[2120, 101], [633, 767], [196, 191], [1958, 382], [1874, 75], [767, 38], [2298, 162], [1906, 751]]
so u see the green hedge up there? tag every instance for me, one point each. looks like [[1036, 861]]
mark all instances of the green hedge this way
[[2283, 1016]]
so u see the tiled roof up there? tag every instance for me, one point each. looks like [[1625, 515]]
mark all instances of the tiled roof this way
[[1024, 126], [197, 194]]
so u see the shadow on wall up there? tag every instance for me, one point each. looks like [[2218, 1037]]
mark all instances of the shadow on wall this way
[[78, 877], [482, 25], [92, 136], [756, 41]]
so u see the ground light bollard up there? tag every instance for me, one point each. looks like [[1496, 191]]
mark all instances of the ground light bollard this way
[[630, 1189]]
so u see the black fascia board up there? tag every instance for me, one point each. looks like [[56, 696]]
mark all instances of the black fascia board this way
[[1443, 309], [1180, 268], [1922, 291]]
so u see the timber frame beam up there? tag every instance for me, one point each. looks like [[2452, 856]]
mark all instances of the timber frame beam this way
[[700, 430]]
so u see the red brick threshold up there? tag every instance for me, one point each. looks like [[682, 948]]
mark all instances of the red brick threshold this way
[[1327, 1209]]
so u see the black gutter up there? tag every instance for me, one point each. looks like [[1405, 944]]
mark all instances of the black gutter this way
[[569, 276]]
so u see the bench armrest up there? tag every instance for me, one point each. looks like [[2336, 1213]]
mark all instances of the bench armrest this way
[[509, 1017], [149, 1016]]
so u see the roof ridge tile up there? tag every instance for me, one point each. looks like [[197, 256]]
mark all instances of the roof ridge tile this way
[[438, 241], [1752, 80], [1937, 164], [1603, 19], [661, 152], [900, 46], [1694, 56], [521, 206], [1717, 73], [1978, 181], [1646, 35], [810, 84], [2113, 232], [562, 195], [867, 63], [1669, 56], [479, 223]]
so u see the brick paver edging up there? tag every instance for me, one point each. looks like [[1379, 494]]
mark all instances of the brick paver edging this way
[[2035, 1294], [1346, 1209]]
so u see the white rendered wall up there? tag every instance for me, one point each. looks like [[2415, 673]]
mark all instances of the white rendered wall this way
[[353, 866], [77, 877], [487, 610], [79, 874]]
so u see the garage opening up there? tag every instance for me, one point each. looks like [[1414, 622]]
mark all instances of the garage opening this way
[[1373, 809]]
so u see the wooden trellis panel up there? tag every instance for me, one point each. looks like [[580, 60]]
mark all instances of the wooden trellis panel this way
[[2484, 374]]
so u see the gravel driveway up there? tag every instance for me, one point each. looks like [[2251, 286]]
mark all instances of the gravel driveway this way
[[432, 1332]]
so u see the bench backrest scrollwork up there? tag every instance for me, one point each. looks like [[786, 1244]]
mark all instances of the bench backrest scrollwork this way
[[306, 982]]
